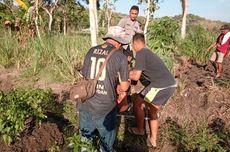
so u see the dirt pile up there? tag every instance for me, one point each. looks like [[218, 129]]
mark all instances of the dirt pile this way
[[39, 138], [199, 97]]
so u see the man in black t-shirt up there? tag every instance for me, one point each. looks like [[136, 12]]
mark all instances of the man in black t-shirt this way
[[99, 112], [159, 87]]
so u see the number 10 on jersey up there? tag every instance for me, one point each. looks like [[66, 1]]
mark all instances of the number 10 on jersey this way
[[95, 67]]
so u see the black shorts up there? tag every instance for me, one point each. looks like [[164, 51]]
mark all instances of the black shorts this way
[[157, 96]]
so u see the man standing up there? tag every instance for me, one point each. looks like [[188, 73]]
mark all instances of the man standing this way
[[130, 23], [221, 44], [98, 114], [161, 85], [130, 26]]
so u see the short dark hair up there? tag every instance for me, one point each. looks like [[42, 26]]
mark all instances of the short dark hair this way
[[139, 36], [225, 27], [134, 7]]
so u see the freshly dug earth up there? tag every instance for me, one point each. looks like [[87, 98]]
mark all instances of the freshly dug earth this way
[[199, 97], [37, 139]]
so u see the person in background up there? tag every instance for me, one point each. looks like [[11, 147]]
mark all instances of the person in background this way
[[130, 26], [221, 49], [160, 87], [130, 23], [98, 114]]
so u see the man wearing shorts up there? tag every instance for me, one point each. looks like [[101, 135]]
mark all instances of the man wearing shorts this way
[[221, 44], [158, 89]]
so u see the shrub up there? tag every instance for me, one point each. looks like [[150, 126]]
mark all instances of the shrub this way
[[195, 44], [162, 39], [18, 105], [76, 142]]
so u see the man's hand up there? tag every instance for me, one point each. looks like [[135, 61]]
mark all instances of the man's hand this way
[[121, 96]]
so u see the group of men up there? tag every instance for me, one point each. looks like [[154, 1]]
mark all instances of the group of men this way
[[98, 114]]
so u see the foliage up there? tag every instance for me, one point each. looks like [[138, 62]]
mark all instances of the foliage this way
[[57, 58], [197, 138], [6, 12], [195, 44], [77, 143], [162, 38], [18, 105], [7, 46]]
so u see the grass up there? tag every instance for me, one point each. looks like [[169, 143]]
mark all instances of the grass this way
[[200, 137], [195, 46], [56, 58]]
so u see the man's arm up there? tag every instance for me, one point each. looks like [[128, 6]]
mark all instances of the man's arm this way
[[135, 75], [123, 76], [121, 23], [214, 44]]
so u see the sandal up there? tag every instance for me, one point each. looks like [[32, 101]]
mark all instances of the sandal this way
[[135, 131]]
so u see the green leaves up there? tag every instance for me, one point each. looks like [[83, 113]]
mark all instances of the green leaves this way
[[18, 105], [162, 38], [77, 142], [197, 41]]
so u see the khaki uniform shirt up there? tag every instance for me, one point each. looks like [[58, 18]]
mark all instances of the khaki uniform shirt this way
[[130, 27]]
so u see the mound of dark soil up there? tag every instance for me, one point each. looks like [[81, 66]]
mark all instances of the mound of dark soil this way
[[40, 138], [200, 96]]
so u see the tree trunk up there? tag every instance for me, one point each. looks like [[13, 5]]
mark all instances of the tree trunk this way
[[147, 18], [50, 13], [50, 22], [184, 4], [93, 21], [107, 13], [36, 20], [64, 25]]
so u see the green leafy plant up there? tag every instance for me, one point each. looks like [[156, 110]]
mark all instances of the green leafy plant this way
[[76, 142], [162, 39], [195, 44], [18, 105]]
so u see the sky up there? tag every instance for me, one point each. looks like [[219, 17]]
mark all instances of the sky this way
[[209, 9]]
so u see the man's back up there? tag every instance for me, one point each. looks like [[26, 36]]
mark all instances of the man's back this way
[[153, 69], [104, 99]]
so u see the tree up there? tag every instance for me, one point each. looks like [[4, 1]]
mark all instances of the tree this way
[[49, 7], [184, 5], [109, 6], [36, 19], [93, 21], [150, 8]]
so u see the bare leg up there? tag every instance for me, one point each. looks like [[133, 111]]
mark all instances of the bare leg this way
[[214, 65], [219, 69], [153, 123], [138, 106], [123, 105]]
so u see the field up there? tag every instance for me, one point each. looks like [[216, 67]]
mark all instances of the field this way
[[37, 115]]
